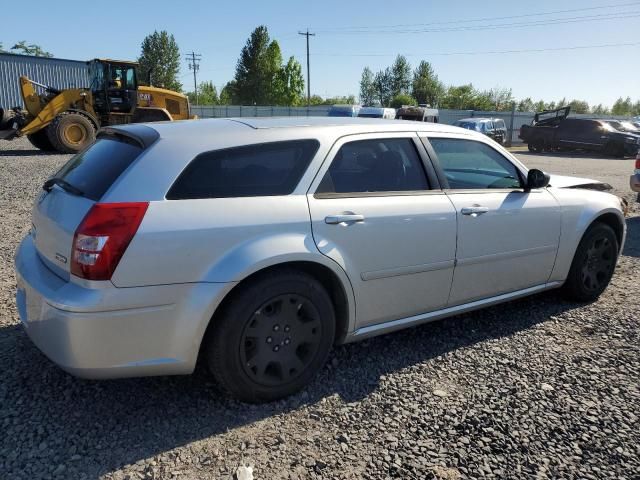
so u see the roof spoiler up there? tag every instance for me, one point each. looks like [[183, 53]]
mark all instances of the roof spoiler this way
[[139, 134]]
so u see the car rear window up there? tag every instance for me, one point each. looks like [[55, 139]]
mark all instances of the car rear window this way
[[95, 169], [264, 169]]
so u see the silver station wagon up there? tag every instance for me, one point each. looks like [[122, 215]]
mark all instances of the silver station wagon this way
[[261, 243]]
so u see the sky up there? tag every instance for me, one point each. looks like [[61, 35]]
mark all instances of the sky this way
[[487, 43]]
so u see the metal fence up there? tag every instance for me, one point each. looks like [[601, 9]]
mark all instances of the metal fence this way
[[54, 72]]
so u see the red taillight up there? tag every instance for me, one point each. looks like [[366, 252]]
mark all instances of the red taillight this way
[[638, 161], [102, 238]]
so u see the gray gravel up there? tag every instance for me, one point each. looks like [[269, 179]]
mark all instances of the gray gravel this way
[[537, 388]]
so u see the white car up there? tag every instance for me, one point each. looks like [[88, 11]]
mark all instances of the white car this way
[[261, 243]]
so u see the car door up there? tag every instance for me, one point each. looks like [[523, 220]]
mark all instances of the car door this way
[[377, 211], [592, 135], [507, 237]]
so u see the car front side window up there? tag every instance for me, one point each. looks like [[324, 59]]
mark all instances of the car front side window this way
[[469, 164]]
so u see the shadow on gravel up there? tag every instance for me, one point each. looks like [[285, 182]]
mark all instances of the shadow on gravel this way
[[632, 243], [118, 422]]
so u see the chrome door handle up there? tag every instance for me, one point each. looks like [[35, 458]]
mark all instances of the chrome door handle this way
[[474, 211], [346, 218]]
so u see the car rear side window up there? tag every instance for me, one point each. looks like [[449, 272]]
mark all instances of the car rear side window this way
[[377, 165], [95, 169], [264, 169]]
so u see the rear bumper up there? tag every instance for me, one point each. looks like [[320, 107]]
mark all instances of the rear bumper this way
[[634, 182], [113, 332]]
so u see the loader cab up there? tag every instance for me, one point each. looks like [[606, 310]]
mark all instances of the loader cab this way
[[114, 86]]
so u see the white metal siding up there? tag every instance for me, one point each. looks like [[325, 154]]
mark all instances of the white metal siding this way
[[54, 72]]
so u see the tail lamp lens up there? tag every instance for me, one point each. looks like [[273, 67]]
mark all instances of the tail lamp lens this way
[[102, 238]]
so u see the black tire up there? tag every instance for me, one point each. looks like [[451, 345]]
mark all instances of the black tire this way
[[614, 150], [538, 145], [71, 132], [40, 140], [593, 264], [272, 337], [5, 116], [530, 147]]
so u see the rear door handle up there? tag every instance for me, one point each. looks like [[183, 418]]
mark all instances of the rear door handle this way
[[474, 211], [346, 218]]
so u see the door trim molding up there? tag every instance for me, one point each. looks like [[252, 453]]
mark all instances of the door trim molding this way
[[494, 257], [409, 270]]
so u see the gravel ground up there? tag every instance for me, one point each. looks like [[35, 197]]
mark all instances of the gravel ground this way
[[538, 388]]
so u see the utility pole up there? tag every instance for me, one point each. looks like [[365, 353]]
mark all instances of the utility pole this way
[[307, 34], [194, 64]]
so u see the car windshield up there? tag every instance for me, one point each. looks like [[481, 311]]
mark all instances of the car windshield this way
[[629, 127]]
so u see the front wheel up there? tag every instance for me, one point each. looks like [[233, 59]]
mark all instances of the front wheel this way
[[272, 337], [593, 264]]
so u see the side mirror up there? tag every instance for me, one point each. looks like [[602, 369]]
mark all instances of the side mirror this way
[[537, 179]]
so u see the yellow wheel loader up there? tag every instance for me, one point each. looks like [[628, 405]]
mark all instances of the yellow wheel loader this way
[[67, 120]]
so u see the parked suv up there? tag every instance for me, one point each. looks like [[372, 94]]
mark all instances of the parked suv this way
[[552, 130], [494, 128], [260, 243]]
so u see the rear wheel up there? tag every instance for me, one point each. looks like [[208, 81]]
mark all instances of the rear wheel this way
[[272, 337], [71, 132], [538, 145], [40, 140], [593, 264]]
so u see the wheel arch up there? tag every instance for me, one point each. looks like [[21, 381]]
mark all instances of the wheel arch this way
[[330, 276], [614, 221]]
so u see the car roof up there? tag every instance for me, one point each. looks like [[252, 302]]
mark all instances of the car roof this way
[[478, 119], [342, 125]]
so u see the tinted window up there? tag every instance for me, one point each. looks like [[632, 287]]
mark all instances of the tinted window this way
[[251, 171], [380, 165], [469, 164], [94, 170]]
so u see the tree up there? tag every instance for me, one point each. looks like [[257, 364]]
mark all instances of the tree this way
[[207, 94], [161, 57], [426, 87], [402, 99], [579, 106], [227, 93], [367, 88], [400, 76], [383, 82], [500, 98], [257, 69], [290, 84], [600, 110], [622, 107], [526, 105], [32, 49], [540, 106], [2, 50]]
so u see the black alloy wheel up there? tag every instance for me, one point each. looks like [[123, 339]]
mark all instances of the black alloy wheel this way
[[280, 339], [593, 264], [598, 263]]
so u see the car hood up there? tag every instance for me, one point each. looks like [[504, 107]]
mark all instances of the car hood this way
[[562, 181]]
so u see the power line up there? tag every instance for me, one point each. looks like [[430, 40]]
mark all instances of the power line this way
[[307, 34], [535, 23], [194, 64], [449, 22], [484, 52]]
